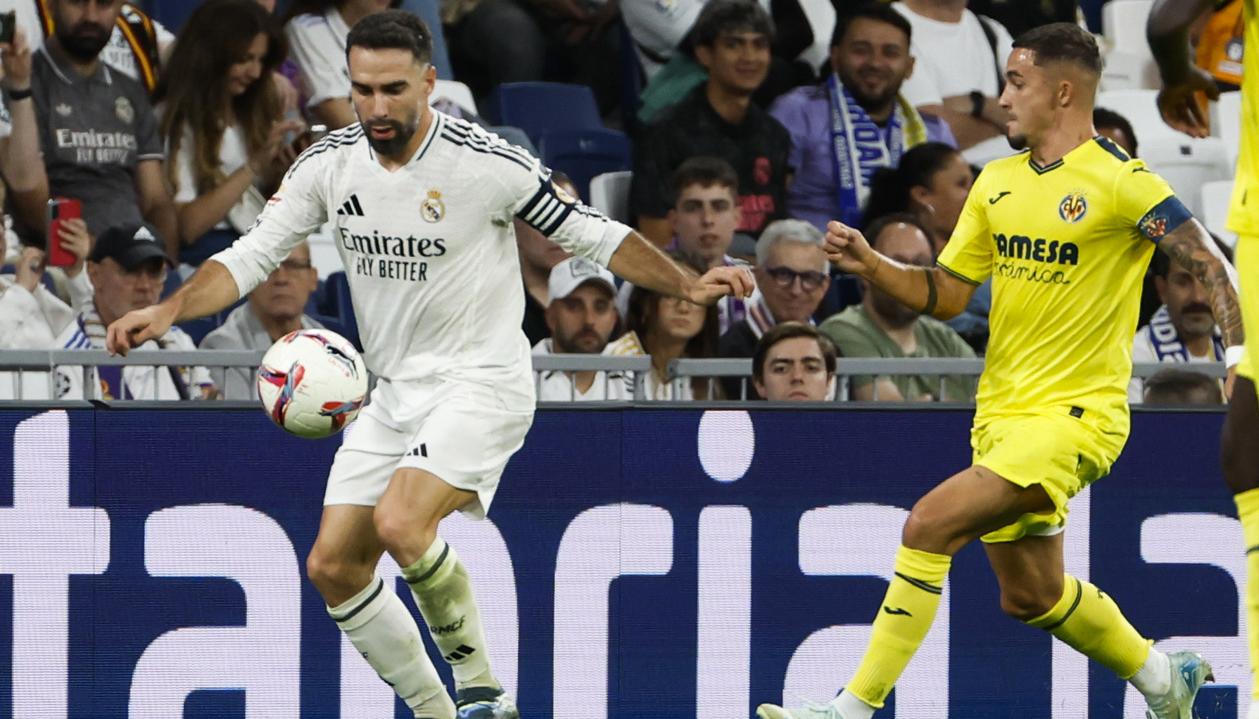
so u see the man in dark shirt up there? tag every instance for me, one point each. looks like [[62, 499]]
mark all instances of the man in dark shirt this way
[[732, 41], [97, 129]]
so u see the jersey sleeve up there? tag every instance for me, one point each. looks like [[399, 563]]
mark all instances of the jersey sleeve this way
[[968, 254], [532, 196], [1145, 201], [293, 212]]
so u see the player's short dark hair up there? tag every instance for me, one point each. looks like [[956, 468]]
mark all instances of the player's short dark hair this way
[[876, 227], [788, 330], [392, 30], [889, 188], [705, 172], [1174, 386], [1161, 262], [1105, 117], [1062, 42], [877, 11], [729, 16]]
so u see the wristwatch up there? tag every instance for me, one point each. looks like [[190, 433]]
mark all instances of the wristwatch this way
[[977, 103]]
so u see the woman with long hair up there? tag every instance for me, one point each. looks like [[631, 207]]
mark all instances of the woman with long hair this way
[[668, 328], [227, 141], [931, 181]]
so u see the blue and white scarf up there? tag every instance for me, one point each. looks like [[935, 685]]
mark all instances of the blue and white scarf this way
[[859, 147]]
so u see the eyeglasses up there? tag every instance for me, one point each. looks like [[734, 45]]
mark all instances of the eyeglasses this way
[[784, 277], [295, 266]]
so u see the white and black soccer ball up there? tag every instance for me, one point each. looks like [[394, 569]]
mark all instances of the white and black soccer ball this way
[[312, 383]]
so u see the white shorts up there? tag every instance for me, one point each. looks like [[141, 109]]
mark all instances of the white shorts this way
[[462, 432]]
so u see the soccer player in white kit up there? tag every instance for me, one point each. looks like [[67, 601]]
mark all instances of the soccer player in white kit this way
[[422, 206]]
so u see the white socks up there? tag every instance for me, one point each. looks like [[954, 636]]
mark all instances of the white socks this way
[[850, 707], [444, 595], [1154, 678], [380, 627]]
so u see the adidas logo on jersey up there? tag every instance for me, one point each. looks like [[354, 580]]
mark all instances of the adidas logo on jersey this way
[[352, 208]]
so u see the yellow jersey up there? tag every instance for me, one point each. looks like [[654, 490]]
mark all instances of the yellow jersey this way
[[1243, 213], [1066, 247]]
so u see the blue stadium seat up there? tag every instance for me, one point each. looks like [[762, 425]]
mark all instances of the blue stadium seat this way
[[173, 281], [428, 11], [197, 329], [540, 108], [582, 154]]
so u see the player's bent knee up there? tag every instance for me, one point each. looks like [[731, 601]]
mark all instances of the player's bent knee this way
[[400, 533], [928, 531], [334, 575], [1026, 603]]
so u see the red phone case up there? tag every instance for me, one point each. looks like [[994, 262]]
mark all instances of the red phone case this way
[[59, 210]]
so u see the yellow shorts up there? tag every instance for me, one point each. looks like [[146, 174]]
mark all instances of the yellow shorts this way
[[1059, 452], [1247, 261]]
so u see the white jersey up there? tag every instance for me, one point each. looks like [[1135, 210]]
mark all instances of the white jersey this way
[[429, 249]]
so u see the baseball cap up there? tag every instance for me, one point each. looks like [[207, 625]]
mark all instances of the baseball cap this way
[[575, 272], [129, 246]]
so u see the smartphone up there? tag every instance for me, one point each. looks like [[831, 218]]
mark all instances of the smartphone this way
[[61, 209], [8, 22]]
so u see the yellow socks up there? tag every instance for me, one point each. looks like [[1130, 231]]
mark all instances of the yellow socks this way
[[1090, 622], [1248, 512], [908, 609]]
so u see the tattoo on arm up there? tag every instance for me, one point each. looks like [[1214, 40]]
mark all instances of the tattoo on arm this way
[[930, 307], [1194, 250]]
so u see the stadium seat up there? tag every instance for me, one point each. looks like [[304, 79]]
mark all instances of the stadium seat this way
[[197, 329], [609, 194], [539, 108], [337, 293], [583, 154], [1187, 164], [1123, 25], [430, 12], [1139, 107], [1214, 215], [1128, 71], [1226, 122]]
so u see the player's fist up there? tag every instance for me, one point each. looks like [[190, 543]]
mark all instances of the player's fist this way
[[719, 282], [1183, 104], [848, 250], [137, 327]]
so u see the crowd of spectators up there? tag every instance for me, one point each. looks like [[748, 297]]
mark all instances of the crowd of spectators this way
[[758, 123]]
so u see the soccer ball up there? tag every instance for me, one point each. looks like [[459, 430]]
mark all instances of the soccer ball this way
[[312, 383]]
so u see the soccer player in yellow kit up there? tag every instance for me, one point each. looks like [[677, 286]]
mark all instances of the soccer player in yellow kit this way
[[1065, 231], [1183, 84]]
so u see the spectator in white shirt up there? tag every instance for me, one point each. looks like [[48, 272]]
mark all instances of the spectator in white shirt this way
[[316, 31], [275, 308], [582, 318], [1183, 328], [959, 68]]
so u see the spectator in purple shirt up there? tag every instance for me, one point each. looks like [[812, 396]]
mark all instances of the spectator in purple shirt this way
[[855, 121]]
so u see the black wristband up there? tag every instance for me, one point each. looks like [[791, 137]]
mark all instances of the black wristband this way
[[976, 103], [14, 95]]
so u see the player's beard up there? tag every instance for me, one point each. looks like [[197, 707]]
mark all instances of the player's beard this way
[[1017, 142], [397, 144]]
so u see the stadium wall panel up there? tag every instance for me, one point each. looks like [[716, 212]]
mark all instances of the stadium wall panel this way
[[638, 564]]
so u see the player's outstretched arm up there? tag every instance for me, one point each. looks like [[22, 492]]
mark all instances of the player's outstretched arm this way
[[1167, 30], [1195, 250], [930, 290], [642, 263], [206, 292]]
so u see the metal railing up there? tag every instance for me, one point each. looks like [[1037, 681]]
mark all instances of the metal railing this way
[[631, 370]]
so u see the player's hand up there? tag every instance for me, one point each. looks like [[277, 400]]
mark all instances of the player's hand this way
[[1178, 103], [719, 282], [137, 327], [1229, 381], [848, 250]]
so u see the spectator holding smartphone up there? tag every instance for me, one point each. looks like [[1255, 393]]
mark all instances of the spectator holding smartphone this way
[[31, 317], [228, 144]]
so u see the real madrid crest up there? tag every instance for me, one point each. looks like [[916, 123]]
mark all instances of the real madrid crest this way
[[124, 110], [432, 209], [1073, 208]]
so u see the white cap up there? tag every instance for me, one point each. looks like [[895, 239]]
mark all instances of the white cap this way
[[575, 272]]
